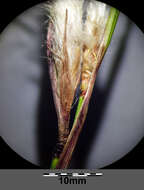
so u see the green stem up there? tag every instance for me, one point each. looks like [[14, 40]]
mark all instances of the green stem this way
[[80, 102], [110, 26], [54, 163]]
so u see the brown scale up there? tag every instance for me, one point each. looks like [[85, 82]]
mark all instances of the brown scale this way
[[89, 63]]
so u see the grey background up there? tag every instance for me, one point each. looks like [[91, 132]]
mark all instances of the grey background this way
[[32, 179], [114, 124]]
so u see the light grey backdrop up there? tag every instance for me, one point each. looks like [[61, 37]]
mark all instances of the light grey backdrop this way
[[119, 90]]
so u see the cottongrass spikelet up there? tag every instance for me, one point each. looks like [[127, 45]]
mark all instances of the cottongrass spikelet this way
[[77, 40], [65, 46], [94, 28], [98, 29]]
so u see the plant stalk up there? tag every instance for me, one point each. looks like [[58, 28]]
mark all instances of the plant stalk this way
[[82, 108]]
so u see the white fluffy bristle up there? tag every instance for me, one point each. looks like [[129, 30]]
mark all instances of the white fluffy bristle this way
[[78, 32], [97, 14], [74, 23]]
